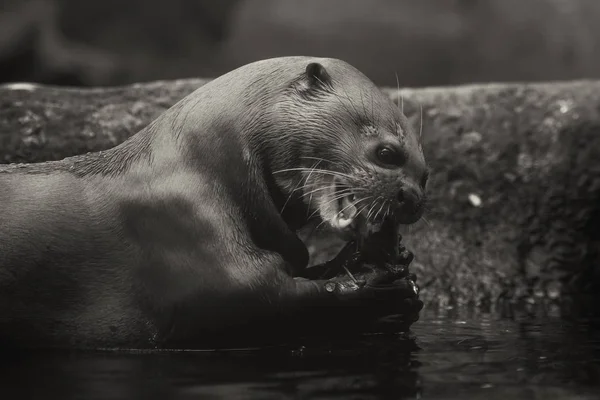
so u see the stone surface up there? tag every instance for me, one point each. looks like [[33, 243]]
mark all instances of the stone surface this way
[[515, 182]]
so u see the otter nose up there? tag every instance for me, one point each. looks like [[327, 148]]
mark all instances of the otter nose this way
[[409, 197]]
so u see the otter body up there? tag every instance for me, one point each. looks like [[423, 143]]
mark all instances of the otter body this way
[[187, 229]]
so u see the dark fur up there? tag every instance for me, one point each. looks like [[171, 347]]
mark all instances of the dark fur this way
[[177, 233]]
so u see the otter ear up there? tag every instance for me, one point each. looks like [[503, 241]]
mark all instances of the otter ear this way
[[317, 75]]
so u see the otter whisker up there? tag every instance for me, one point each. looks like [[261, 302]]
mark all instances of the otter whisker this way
[[374, 204], [335, 198], [306, 181], [319, 224], [335, 173], [364, 199], [365, 206], [314, 158], [346, 164], [342, 210], [295, 169], [388, 210], [402, 106], [352, 204], [317, 158], [313, 214], [380, 209], [318, 171], [313, 170], [400, 97], [296, 187], [346, 191], [313, 191], [421, 127], [305, 185]]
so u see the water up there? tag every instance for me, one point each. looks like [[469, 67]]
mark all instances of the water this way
[[444, 358]]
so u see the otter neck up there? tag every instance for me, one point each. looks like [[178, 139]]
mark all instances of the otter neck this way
[[286, 190], [279, 154], [255, 127]]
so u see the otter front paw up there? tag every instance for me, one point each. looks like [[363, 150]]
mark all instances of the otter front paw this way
[[395, 280], [373, 299]]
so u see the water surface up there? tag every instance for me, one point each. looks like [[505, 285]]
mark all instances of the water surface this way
[[445, 357]]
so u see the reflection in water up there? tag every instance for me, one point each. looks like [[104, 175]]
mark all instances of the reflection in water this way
[[444, 358], [545, 359]]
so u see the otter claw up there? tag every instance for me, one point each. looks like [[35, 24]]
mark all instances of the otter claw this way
[[343, 287], [330, 287], [414, 286]]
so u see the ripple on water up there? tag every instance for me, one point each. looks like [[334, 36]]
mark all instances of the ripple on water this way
[[446, 357]]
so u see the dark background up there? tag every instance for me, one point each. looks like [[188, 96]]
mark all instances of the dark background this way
[[426, 42]]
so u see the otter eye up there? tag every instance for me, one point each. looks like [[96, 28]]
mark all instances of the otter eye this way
[[389, 156]]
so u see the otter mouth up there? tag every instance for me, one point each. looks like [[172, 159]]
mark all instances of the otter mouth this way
[[343, 211], [346, 216]]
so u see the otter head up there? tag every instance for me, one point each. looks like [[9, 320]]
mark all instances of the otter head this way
[[352, 158]]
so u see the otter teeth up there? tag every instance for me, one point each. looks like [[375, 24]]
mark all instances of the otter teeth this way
[[347, 213]]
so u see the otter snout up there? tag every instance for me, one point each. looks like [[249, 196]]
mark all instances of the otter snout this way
[[411, 202]]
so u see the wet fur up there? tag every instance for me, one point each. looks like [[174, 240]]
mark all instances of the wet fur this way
[[134, 246]]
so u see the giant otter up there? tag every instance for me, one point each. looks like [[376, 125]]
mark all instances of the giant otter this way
[[187, 231]]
